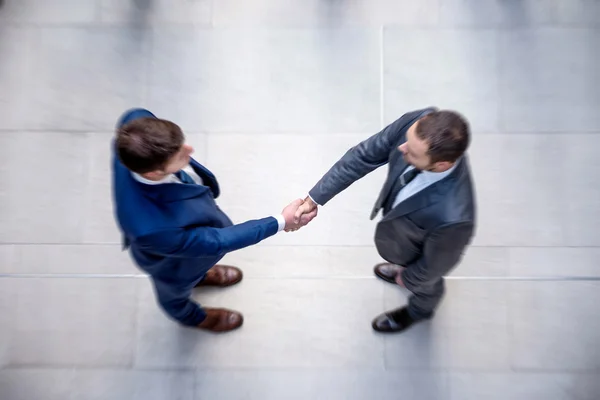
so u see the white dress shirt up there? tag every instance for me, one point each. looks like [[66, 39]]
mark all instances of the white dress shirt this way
[[420, 182], [171, 178]]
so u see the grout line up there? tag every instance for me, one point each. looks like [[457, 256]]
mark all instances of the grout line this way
[[115, 244], [442, 370], [500, 125], [210, 25], [4, 131], [308, 277], [381, 79], [76, 368]]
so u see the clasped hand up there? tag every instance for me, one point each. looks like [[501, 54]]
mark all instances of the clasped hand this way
[[299, 213]]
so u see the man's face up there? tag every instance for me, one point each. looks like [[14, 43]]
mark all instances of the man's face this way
[[414, 150], [179, 160]]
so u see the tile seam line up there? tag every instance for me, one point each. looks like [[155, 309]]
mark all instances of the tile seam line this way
[[209, 25], [106, 130], [114, 244], [309, 277]]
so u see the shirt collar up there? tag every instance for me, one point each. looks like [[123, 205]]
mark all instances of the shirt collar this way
[[167, 179], [437, 176]]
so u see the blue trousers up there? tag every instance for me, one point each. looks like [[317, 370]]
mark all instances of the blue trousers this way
[[174, 298]]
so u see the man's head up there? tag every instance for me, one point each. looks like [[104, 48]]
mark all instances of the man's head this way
[[152, 147], [436, 141]]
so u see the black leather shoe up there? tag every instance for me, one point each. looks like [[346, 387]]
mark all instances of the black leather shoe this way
[[387, 271], [393, 321]]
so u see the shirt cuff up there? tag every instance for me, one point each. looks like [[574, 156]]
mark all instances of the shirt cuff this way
[[280, 221], [310, 197]]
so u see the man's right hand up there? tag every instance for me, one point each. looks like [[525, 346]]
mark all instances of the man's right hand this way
[[289, 214]]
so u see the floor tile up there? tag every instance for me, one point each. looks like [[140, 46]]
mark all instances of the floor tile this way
[[497, 13], [554, 326], [17, 46], [522, 386], [264, 261], [444, 68], [304, 323], [316, 13], [92, 384], [330, 384], [152, 12], [469, 330], [579, 181], [72, 259], [579, 13], [554, 261], [548, 80], [44, 384], [483, 261], [7, 318], [133, 385], [342, 221], [48, 11], [35, 207], [278, 80], [7, 258], [74, 322], [97, 73], [519, 204]]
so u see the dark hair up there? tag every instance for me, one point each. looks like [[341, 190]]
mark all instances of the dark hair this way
[[147, 144], [446, 133]]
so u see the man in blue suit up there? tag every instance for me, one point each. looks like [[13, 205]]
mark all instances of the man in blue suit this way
[[165, 207]]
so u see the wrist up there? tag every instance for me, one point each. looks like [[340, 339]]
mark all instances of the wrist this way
[[310, 200], [280, 222]]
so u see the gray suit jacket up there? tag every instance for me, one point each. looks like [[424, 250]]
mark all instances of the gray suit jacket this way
[[427, 232]]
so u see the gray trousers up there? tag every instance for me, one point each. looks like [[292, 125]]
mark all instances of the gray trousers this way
[[425, 299]]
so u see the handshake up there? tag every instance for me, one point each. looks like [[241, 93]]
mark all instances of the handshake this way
[[299, 213]]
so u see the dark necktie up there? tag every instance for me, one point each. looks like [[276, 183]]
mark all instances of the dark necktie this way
[[184, 177], [403, 180]]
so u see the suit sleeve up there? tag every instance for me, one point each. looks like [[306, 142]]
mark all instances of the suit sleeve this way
[[443, 249], [208, 241], [361, 159]]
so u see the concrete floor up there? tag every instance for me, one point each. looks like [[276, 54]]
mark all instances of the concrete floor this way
[[271, 93]]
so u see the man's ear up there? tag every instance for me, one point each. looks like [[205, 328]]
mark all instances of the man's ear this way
[[442, 166]]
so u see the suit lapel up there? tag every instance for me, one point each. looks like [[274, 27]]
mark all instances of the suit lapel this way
[[398, 166], [208, 177], [431, 194]]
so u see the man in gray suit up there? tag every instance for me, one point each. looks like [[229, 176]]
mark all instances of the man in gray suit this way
[[427, 201]]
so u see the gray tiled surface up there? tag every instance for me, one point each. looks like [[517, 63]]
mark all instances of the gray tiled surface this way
[[267, 80], [44, 175], [447, 68], [271, 93], [549, 80], [317, 13], [90, 75], [305, 319]]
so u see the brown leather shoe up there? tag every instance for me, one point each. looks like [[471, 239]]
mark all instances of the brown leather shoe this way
[[222, 276], [387, 271], [221, 320]]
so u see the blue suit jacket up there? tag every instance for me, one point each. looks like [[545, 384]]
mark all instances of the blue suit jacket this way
[[176, 231]]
